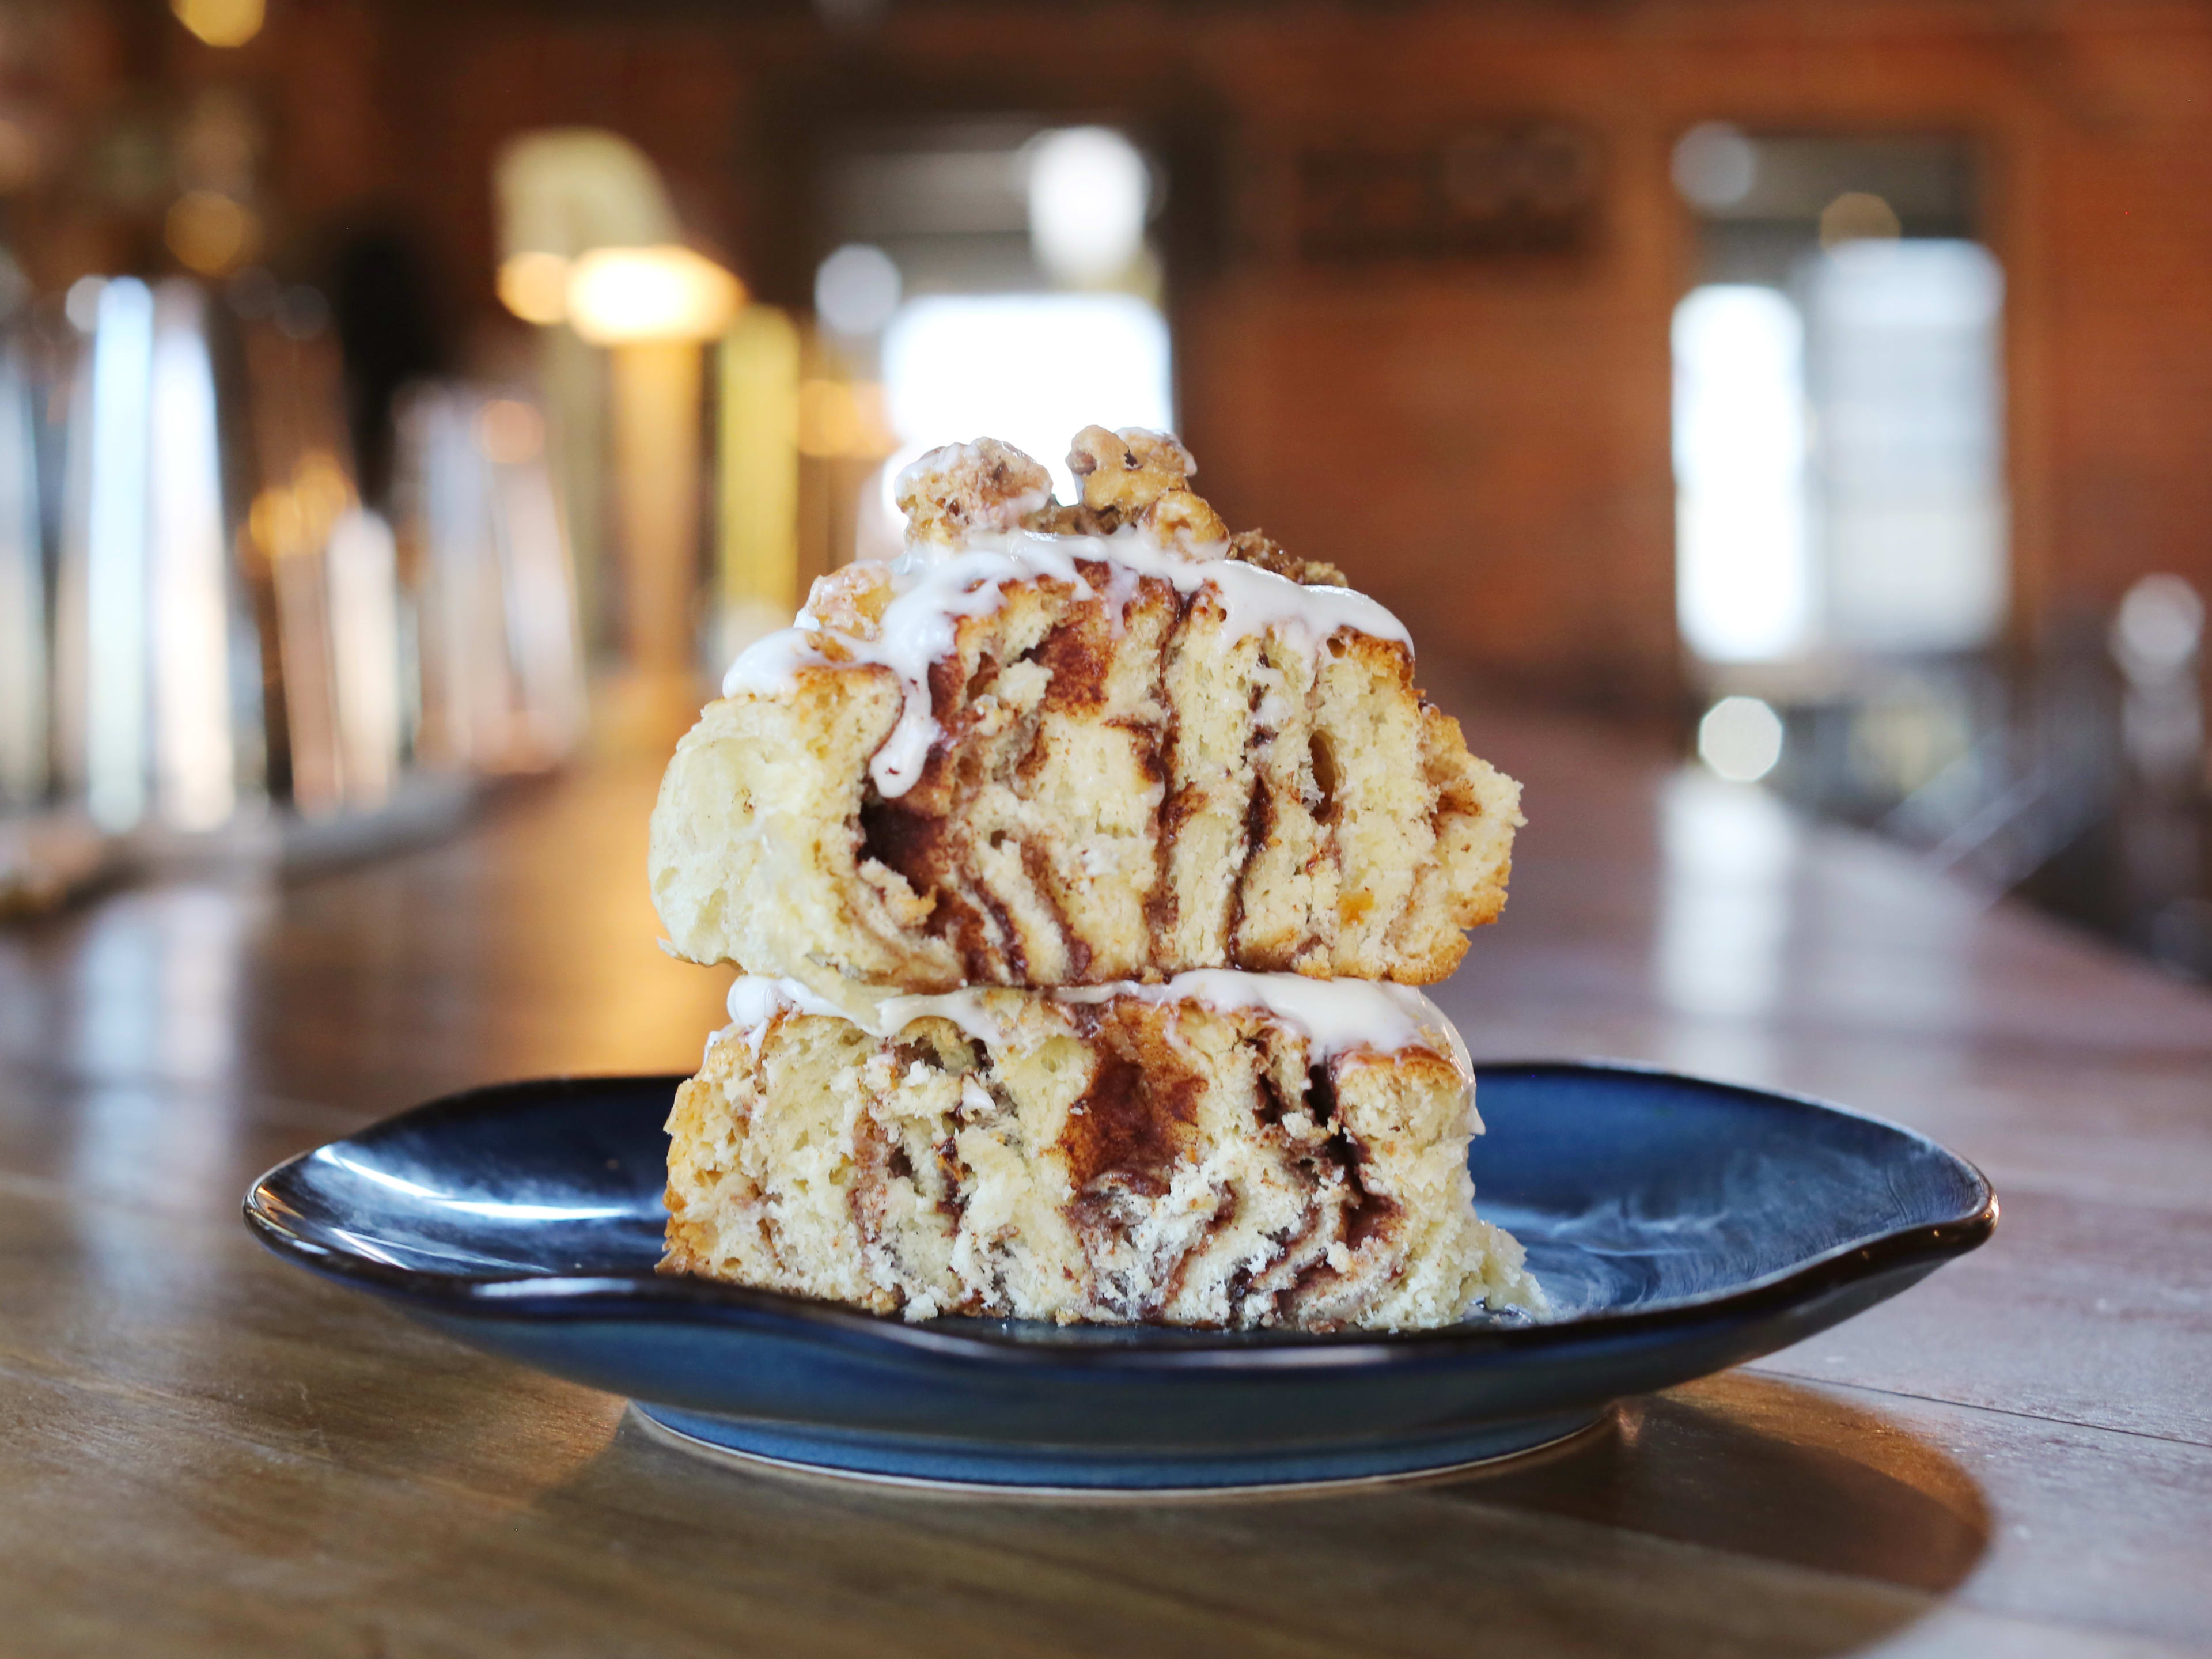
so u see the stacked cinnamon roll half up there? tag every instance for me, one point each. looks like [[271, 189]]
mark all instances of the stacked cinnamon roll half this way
[[1080, 867]]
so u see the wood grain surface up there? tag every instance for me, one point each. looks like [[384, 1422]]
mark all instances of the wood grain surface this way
[[208, 1452]]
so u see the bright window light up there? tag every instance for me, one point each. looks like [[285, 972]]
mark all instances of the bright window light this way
[[1904, 370], [1033, 369], [1743, 587], [188, 613], [1741, 739], [116, 704], [1089, 191], [23, 593], [359, 565]]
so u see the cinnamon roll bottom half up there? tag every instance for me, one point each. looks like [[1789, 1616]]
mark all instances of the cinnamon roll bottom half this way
[[1226, 1149]]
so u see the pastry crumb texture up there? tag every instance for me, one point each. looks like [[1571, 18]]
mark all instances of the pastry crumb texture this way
[[1124, 1160]]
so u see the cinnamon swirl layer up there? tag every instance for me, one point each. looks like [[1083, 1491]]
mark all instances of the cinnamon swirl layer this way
[[1226, 1149], [1046, 759]]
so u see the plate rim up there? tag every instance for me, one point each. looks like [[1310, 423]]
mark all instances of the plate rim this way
[[651, 1297], [1605, 1420]]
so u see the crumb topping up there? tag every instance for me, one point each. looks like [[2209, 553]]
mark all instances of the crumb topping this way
[[1130, 478], [982, 485]]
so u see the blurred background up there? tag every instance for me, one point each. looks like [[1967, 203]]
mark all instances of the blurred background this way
[[397, 397]]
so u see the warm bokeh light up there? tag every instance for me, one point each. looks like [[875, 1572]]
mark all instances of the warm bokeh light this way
[[210, 233], [535, 287], [287, 519], [1741, 739], [757, 466], [221, 22], [1856, 215], [839, 417], [622, 295], [510, 432]]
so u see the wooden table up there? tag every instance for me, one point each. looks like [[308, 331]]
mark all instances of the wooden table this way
[[206, 1452]]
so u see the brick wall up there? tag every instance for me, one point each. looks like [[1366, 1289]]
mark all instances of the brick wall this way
[[1483, 441]]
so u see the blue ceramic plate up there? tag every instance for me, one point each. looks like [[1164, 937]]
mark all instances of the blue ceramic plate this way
[[1680, 1226]]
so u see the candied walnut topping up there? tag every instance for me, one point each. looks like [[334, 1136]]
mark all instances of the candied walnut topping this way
[[1129, 477], [850, 603], [1180, 516], [983, 485], [1250, 547], [1128, 469], [1136, 476]]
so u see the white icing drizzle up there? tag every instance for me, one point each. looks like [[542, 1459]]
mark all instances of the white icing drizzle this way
[[935, 587], [1335, 1015]]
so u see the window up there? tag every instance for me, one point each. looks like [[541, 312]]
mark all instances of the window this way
[[1838, 403]]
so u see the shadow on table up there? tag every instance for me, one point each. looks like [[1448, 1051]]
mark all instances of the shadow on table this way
[[1687, 1532], [1760, 1468]]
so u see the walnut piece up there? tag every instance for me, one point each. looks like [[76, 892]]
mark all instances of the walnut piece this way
[[849, 604], [982, 485], [1128, 469], [1180, 516], [1250, 547], [1136, 476]]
